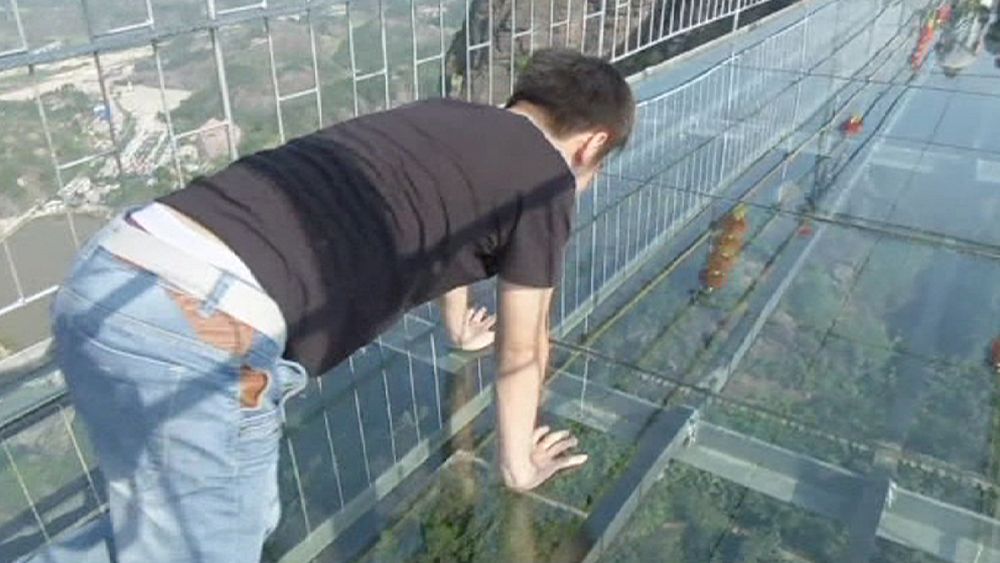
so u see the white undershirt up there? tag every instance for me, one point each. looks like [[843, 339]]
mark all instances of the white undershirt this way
[[161, 222]]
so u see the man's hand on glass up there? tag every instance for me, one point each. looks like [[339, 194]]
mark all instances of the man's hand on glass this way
[[549, 456], [476, 331]]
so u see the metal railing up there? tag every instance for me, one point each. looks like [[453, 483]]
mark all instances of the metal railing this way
[[89, 146], [393, 403]]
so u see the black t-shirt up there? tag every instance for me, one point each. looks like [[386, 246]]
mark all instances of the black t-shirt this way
[[349, 227]]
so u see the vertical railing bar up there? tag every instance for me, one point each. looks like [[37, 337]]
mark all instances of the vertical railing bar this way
[[628, 205], [13, 269], [413, 393], [602, 25], [298, 484], [171, 135], [79, 456], [576, 272], [618, 232], [388, 400], [444, 82], [531, 26], [652, 21], [150, 15], [671, 202], [354, 61], [569, 18], [468, 51], [72, 228], [628, 24], [414, 54], [593, 248], [111, 121], [329, 441], [651, 231], [638, 27], [361, 431], [681, 166], [614, 33], [385, 51], [489, 60], [18, 24], [315, 62], [513, 40], [700, 184], [647, 231], [552, 19], [562, 296], [605, 218], [43, 117], [663, 17], [220, 70], [27, 494], [641, 193], [437, 380], [632, 223], [674, 12], [656, 142], [274, 80]]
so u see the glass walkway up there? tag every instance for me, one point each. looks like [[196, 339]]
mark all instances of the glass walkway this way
[[778, 337]]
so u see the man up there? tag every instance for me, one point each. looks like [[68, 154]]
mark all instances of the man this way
[[186, 324]]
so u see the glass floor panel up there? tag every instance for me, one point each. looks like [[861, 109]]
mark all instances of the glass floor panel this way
[[464, 516], [694, 517]]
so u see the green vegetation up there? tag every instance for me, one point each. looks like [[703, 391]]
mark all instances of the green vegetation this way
[[692, 516], [27, 172], [464, 517], [139, 189]]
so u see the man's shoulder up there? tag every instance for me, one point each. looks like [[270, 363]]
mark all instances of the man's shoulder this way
[[447, 107], [439, 111]]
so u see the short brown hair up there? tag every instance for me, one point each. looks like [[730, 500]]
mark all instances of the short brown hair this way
[[578, 93]]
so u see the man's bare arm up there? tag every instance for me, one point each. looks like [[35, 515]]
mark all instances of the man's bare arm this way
[[468, 328], [528, 455]]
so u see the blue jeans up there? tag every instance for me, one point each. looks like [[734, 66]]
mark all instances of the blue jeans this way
[[191, 469]]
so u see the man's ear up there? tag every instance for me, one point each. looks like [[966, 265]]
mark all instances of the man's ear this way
[[591, 149]]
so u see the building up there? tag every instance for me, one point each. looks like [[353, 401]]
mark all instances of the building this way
[[213, 142]]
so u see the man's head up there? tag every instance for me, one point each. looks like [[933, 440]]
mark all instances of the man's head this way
[[582, 102]]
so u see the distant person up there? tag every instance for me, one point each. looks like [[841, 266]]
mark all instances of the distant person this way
[[186, 324]]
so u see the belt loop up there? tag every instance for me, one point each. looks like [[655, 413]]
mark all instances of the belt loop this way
[[291, 378], [211, 302]]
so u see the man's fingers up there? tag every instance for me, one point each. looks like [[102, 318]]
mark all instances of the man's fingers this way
[[572, 461], [560, 447], [539, 432], [553, 438], [490, 322], [479, 315]]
